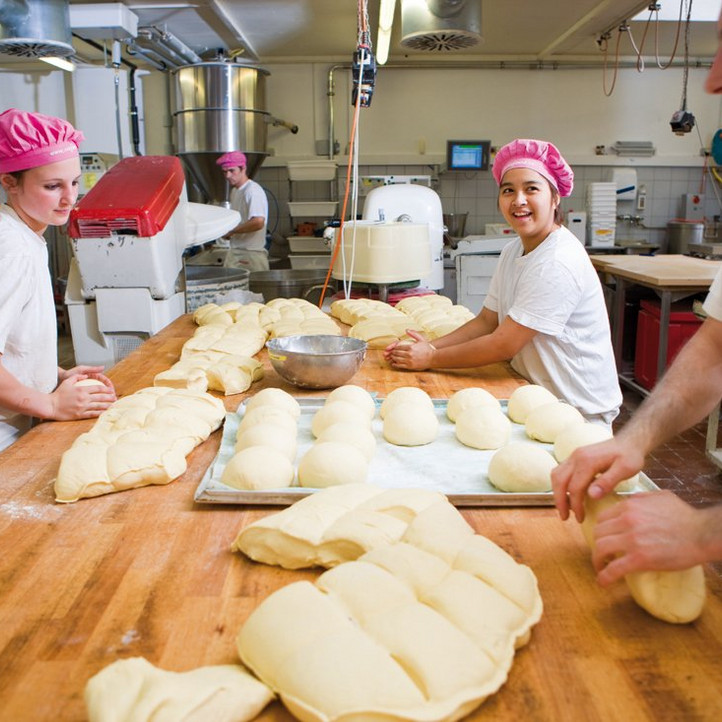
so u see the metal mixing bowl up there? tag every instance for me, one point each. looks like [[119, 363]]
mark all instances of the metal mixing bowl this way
[[316, 362]]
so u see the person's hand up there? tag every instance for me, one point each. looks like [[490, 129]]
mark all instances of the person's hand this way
[[70, 401], [595, 469], [656, 531], [389, 349], [414, 356]]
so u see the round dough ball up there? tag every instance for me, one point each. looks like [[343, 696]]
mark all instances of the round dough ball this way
[[275, 397], [268, 434], [89, 382], [330, 463], [258, 467], [410, 424], [268, 414], [339, 411], [405, 394], [575, 435], [355, 395], [483, 427], [545, 422], [465, 398], [521, 467], [526, 398], [350, 433]]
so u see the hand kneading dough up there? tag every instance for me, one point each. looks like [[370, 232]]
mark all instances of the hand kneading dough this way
[[336, 412], [350, 433], [521, 467], [328, 463], [465, 398], [483, 427], [526, 398], [410, 424], [268, 434], [677, 597], [275, 397], [133, 689], [576, 435], [356, 395], [89, 382], [258, 467], [405, 394], [421, 629], [546, 421]]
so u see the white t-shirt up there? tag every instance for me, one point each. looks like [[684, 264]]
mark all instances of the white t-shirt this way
[[713, 302], [251, 202], [28, 327], [555, 291]]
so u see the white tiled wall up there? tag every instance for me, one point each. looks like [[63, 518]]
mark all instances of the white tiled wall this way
[[476, 194]]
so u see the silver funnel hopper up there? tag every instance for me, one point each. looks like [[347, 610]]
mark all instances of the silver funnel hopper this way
[[220, 107]]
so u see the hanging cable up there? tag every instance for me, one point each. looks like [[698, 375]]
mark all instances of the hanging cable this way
[[676, 38], [616, 64], [683, 121]]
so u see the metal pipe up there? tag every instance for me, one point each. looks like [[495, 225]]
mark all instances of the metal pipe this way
[[149, 56], [180, 48], [330, 92], [271, 120]]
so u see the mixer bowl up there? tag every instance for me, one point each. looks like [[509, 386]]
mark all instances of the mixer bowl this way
[[316, 362]]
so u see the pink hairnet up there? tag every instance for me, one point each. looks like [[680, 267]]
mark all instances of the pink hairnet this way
[[234, 159], [29, 140], [537, 155]]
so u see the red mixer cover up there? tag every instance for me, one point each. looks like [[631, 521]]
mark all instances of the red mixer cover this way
[[136, 197]]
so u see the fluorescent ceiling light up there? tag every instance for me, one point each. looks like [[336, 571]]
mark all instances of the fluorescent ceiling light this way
[[383, 40], [61, 63], [702, 11]]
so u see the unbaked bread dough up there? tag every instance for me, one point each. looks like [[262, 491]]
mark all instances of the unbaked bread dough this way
[[266, 413], [521, 467], [268, 434], [258, 467], [544, 422], [133, 689], [483, 427], [405, 394], [355, 395], [423, 628], [89, 382], [410, 424], [334, 412], [351, 433], [464, 398], [677, 597], [275, 397], [141, 439], [329, 463], [526, 398]]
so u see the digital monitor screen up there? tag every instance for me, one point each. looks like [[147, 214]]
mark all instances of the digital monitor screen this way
[[469, 155]]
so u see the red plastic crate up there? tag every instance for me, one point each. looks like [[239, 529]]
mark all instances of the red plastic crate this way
[[682, 326]]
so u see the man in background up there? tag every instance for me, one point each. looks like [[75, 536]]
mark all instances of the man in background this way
[[248, 238]]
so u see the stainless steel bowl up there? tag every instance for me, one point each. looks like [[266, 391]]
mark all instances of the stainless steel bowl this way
[[316, 362]]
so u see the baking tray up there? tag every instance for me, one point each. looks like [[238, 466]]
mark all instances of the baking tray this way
[[445, 465]]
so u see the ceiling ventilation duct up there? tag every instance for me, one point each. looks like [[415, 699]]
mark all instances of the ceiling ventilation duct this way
[[35, 28], [440, 25]]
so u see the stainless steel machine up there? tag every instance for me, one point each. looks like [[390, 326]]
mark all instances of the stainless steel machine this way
[[128, 235]]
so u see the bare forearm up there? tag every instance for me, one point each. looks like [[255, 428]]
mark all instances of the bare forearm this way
[[474, 352], [23, 399], [687, 393]]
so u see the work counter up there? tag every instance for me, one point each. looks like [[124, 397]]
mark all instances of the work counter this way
[[148, 572]]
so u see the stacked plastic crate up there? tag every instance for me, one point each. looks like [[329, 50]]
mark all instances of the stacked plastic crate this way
[[601, 214]]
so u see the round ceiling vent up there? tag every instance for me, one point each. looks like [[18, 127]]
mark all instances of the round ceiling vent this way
[[440, 25], [36, 29], [441, 40], [32, 48]]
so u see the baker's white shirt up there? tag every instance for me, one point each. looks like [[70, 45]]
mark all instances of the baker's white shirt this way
[[28, 326], [555, 291], [713, 303], [250, 201]]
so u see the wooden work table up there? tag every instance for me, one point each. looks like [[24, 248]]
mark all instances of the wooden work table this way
[[149, 573]]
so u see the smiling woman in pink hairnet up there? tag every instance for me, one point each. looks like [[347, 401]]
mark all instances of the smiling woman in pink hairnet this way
[[545, 308], [39, 172]]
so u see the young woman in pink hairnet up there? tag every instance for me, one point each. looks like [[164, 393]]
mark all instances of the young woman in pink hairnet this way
[[545, 308], [39, 171]]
